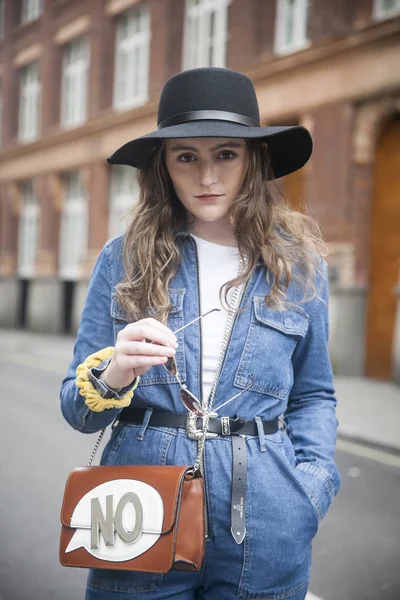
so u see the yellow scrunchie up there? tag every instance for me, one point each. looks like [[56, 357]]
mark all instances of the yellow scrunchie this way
[[86, 389]]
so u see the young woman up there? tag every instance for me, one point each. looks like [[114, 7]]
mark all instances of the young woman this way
[[208, 234]]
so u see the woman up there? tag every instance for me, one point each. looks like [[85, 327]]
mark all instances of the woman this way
[[206, 218]]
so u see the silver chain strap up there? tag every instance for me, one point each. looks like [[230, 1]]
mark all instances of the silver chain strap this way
[[236, 294], [207, 404], [96, 447]]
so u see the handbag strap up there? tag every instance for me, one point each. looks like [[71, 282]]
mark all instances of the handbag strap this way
[[237, 294], [97, 444], [96, 447]]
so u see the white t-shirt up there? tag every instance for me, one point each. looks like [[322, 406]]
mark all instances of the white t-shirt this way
[[217, 265]]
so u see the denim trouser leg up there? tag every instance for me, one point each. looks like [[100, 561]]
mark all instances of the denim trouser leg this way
[[175, 584], [300, 595], [221, 592], [96, 594]]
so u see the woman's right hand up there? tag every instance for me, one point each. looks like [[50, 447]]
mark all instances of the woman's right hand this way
[[133, 355]]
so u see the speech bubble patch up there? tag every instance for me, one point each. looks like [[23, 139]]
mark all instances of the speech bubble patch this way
[[117, 520]]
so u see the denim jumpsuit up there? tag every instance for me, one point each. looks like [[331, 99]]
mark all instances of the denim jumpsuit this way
[[291, 474]]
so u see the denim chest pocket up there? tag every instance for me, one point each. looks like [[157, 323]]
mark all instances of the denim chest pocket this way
[[271, 340], [158, 374]]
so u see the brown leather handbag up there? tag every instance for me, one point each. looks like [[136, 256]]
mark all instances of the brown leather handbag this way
[[139, 518]]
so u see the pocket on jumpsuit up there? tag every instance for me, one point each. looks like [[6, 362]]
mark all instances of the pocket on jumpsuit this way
[[157, 374], [271, 339], [280, 522], [124, 448]]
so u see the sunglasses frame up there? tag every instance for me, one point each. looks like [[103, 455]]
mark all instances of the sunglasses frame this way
[[194, 408]]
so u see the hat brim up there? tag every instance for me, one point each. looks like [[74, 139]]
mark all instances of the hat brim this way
[[289, 147]]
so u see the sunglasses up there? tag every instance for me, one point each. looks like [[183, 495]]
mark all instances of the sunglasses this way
[[188, 399]]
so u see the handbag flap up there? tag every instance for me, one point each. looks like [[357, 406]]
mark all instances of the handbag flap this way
[[153, 492]]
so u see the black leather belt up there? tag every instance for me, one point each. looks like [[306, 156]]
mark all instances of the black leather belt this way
[[217, 425], [237, 428]]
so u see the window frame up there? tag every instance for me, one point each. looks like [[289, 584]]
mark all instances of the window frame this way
[[74, 222], [124, 193], [27, 91], [136, 44], [28, 231], [281, 47], [75, 76], [31, 10], [196, 46]]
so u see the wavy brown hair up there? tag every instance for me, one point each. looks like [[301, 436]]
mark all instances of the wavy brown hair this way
[[288, 242]]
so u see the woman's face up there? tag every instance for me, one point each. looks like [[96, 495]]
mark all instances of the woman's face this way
[[207, 174]]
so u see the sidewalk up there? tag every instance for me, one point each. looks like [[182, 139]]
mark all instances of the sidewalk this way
[[368, 410]]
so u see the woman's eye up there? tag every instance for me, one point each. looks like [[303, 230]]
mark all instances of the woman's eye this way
[[186, 158], [227, 155]]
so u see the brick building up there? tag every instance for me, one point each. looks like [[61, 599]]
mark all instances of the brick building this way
[[80, 77]]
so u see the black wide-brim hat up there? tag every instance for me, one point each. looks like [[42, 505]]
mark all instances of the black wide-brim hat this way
[[216, 102]]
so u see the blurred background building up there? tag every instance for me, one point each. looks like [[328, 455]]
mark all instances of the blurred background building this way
[[78, 78]]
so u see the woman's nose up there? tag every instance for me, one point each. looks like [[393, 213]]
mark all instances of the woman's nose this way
[[208, 174]]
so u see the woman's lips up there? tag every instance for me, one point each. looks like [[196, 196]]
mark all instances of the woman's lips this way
[[209, 198]]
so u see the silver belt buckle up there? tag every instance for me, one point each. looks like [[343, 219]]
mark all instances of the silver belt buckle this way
[[191, 429]]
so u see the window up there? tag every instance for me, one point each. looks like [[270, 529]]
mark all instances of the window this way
[[74, 83], [291, 25], [28, 242], [132, 58], [123, 195], [2, 7], [384, 9], [30, 10], [29, 103], [205, 33], [74, 228]]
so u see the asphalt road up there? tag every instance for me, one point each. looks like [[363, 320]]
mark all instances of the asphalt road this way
[[356, 552]]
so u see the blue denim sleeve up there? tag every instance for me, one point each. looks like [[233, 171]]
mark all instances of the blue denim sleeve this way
[[95, 332], [310, 414]]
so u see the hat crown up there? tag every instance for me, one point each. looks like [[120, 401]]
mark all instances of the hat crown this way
[[208, 88]]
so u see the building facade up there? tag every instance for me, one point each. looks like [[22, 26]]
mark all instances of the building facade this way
[[78, 78]]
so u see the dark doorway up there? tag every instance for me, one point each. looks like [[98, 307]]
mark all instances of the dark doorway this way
[[68, 305], [22, 318]]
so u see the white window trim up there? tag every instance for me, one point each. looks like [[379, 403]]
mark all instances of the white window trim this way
[[380, 14], [301, 41], [29, 104], [74, 108], [29, 231], [31, 10], [124, 193], [195, 48], [74, 228], [139, 42]]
